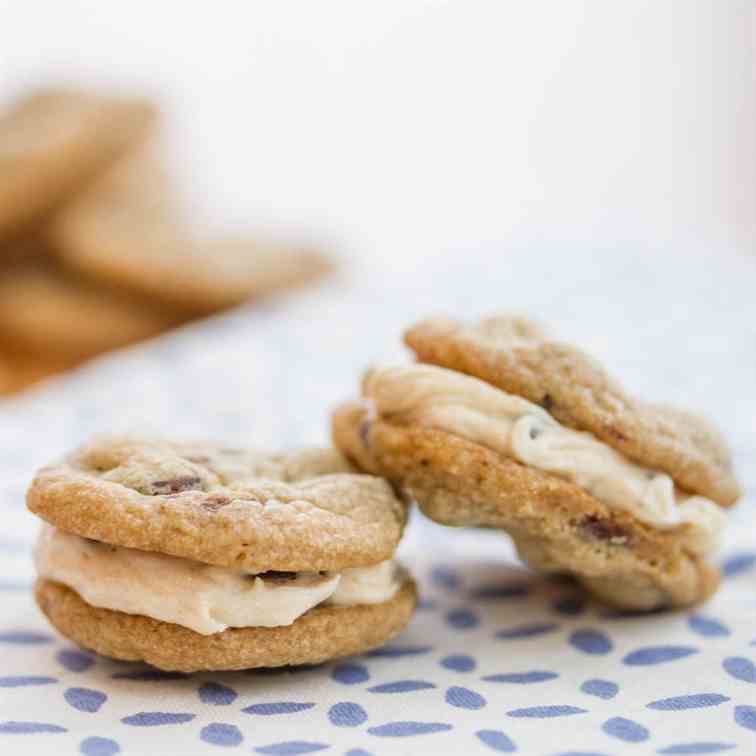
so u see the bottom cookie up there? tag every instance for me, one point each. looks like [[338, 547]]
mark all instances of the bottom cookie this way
[[323, 633]]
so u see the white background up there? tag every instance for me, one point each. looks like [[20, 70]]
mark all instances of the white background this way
[[398, 129]]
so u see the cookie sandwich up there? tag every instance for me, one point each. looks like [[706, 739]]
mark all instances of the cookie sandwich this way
[[500, 426], [199, 557]]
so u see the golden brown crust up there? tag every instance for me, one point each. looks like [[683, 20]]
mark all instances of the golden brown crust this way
[[323, 633], [44, 310], [556, 525], [302, 511], [53, 142], [513, 355]]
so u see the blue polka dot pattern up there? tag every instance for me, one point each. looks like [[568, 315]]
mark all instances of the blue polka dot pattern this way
[[156, 719], [591, 641], [708, 627], [24, 637], [527, 631], [74, 660], [462, 619], [459, 663], [546, 712], [402, 686], [280, 707], [29, 728], [605, 689], [347, 714], [350, 674], [220, 734], [738, 564], [745, 716], [445, 577], [625, 729], [216, 694], [701, 747], [95, 746], [500, 592], [522, 678], [85, 699], [657, 655], [740, 668], [695, 701], [496, 740], [23, 681], [291, 748], [464, 698], [408, 729]]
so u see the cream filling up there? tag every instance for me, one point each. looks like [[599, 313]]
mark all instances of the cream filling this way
[[199, 596], [468, 407]]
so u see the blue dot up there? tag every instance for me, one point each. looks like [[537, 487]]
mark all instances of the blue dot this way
[[570, 606], [625, 729], [462, 619], [496, 740], [221, 734], [738, 563], [522, 678], [591, 641], [150, 675], [707, 626], [526, 631], [402, 686], [745, 716], [649, 655], [99, 747], [546, 712], [408, 729], [426, 605], [459, 663], [399, 651], [605, 689], [22, 681], [279, 707], [358, 752], [684, 749], [216, 694], [24, 637], [74, 660], [464, 698], [695, 701], [445, 577], [28, 728], [347, 714], [501, 592], [580, 753], [350, 674], [85, 699], [291, 748], [740, 668], [156, 719]]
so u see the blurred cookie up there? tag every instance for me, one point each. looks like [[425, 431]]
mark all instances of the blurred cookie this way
[[19, 370], [193, 556], [47, 313], [127, 242], [53, 142], [471, 452]]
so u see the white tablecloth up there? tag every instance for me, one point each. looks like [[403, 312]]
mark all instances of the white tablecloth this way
[[496, 659]]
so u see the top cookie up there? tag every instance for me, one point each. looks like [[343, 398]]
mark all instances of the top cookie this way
[[54, 141], [516, 356], [303, 511]]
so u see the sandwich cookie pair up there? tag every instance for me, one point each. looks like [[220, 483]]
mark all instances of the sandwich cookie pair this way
[[500, 426], [198, 557]]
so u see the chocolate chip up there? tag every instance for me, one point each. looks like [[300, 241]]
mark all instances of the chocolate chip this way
[[616, 433], [602, 529], [176, 485], [275, 576], [547, 402], [534, 432], [214, 502]]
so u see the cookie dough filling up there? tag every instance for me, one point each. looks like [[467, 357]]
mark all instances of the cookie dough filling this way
[[459, 404], [201, 597]]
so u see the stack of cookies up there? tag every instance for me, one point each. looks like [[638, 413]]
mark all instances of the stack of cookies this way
[[194, 556], [94, 251]]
